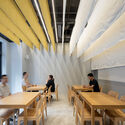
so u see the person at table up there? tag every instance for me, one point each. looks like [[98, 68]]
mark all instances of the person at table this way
[[4, 88], [50, 82], [25, 81], [93, 83], [4, 92]]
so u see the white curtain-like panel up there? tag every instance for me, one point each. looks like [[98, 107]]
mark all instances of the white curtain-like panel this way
[[84, 11], [113, 57], [114, 34], [63, 26], [104, 14]]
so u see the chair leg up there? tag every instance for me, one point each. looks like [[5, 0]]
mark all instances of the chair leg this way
[[76, 119], [73, 111], [100, 122], [121, 122], [57, 96], [37, 122], [46, 110], [115, 122], [18, 123], [42, 118], [8, 121], [1, 122]]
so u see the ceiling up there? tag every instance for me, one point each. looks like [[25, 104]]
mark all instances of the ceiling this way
[[70, 15], [71, 10]]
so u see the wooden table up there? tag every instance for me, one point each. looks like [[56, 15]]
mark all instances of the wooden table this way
[[99, 100], [81, 88], [36, 88], [20, 100]]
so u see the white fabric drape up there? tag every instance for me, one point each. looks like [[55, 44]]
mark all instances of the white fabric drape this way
[[114, 34], [104, 14], [84, 11], [63, 27], [113, 57]]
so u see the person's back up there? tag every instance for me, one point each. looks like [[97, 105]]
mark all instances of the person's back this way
[[50, 82]]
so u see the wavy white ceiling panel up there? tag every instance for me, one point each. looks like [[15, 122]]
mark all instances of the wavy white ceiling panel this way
[[111, 37], [84, 11], [104, 14]]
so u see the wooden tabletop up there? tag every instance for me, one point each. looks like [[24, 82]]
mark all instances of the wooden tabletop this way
[[18, 100], [37, 87], [81, 88], [102, 100]]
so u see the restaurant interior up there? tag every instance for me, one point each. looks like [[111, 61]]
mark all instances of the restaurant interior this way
[[62, 62]]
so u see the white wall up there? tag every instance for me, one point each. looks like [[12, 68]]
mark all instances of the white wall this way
[[12, 64], [65, 69], [112, 74]]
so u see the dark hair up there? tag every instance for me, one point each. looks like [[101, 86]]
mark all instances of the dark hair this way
[[90, 74], [24, 73], [51, 76], [3, 76]]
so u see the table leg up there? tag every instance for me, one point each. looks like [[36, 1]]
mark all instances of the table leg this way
[[25, 116], [92, 116]]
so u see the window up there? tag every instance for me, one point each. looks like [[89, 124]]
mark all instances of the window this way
[[0, 58]]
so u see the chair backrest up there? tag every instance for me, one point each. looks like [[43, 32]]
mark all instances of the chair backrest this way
[[79, 106], [100, 88], [113, 94], [57, 88], [24, 88], [49, 90], [122, 98], [39, 106]]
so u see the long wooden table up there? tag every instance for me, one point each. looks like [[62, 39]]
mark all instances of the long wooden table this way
[[20, 100], [81, 88], [36, 88], [99, 100]]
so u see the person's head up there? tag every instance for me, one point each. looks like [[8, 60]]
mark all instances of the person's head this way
[[90, 76], [4, 79], [25, 75], [50, 77]]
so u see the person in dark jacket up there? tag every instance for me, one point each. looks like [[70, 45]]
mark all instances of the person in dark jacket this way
[[50, 82], [93, 83]]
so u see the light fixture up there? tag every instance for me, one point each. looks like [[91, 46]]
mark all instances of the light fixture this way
[[54, 16], [41, 18]]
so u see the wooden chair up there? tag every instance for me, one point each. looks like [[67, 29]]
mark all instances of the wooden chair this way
[[83, 114], [100, 88], [24, 88], [5, 114], [113, 94], [70, 94], [44, 104], [116, 115], [48, 94], [56, 92], [34, 114]]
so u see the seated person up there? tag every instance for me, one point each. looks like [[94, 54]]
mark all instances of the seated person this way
[[4, 92], [4, 88], [50, 82], [93, 83], [25, 81]]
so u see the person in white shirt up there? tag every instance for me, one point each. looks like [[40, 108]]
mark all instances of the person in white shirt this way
[[25, 81], [4, 88], [4, 92]]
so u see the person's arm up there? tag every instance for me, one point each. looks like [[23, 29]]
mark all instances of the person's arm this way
[[28, 84]]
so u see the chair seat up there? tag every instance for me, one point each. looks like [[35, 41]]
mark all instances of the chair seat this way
[[31, 113], [117, 113], [87, 114], [6, 113]]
